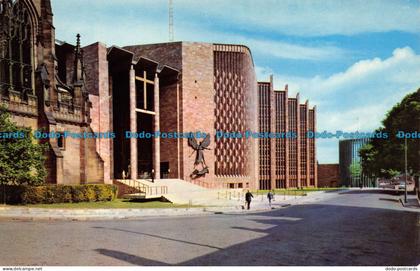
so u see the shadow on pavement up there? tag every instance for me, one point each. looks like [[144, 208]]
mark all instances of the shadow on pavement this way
[[412, 203], [158, 236], [371, 191], [334, 191], [331, 235], [129, 258]]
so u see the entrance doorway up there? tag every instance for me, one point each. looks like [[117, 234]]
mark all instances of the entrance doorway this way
[[164, 170], [145, 145]]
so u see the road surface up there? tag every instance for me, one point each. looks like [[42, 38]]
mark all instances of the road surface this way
[[336, 228]]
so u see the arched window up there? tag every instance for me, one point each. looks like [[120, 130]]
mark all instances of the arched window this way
[[15, 48]]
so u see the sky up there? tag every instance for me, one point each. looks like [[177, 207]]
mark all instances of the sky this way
[[353, 59]]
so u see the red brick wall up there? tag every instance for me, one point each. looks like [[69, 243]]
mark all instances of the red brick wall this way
[[328, 175], [235, 89], [289, 162], [168, 123], [264, 116], [294, 147], [199, 107], [197, 102], [281, 150], [165, 53], [97, 84], [303, 145], [71, 155], [169, 54], [313, 169]]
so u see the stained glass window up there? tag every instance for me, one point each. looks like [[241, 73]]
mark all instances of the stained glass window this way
[[16, 70]]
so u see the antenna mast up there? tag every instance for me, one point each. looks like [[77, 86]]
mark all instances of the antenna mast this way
[[171, 20]]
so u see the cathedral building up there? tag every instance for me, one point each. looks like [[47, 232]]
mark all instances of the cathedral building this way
[[177, 87], [136, 95]]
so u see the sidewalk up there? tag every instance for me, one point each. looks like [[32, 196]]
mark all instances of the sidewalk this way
[[28, 213], [412, 202]]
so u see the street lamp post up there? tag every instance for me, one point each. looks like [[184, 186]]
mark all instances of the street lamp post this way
[[406, 170]]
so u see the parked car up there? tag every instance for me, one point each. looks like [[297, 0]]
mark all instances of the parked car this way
[[384, 185], [400, 186]]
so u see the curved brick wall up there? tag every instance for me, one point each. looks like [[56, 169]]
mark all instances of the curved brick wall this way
[[235, 101]]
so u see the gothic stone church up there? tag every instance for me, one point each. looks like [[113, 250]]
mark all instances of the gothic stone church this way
[[43, 86], [171, 87]]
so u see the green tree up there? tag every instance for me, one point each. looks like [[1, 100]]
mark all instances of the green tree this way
[[355, 171], [385, 157], [21, 159]]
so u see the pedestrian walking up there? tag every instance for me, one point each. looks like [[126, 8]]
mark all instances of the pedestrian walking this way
[[270, 197], [248, 199]]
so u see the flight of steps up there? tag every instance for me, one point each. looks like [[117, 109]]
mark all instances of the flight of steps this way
[[179, 192], [137, 189], [183, 192]]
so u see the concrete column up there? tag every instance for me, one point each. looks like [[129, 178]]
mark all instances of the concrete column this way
[[298, 166], [287, 140], [156, 156], [133, 125], [273, 156], [308, 147], [315, 160], [178, 130]]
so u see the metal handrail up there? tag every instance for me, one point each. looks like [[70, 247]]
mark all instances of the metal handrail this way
[[230, 195], [201, 183], [205, 184], [148, 190]]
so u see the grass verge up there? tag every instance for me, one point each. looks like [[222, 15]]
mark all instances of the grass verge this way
[[115, 204]]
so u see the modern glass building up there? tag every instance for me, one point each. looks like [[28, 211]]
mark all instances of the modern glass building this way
[[349, 154]]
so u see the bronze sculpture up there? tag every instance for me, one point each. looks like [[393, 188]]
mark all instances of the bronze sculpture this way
[[199, 158]]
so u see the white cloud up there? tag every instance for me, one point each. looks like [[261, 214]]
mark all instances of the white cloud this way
[[267, 47], [402, 69], [292, 51], [145, 30], [311, 17], [365, 69], [359, 97]]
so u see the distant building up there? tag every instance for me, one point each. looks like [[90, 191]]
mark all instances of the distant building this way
[[349, 154], [328, 175]]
